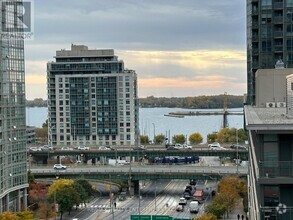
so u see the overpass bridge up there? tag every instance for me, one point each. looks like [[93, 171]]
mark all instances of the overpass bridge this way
[[149, 153], [140, 172]]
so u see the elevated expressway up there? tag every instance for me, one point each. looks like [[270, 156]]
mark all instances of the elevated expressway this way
[[149, 153], [140, 172]]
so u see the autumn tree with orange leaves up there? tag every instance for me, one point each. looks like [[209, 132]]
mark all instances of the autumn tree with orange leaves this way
[[230, 190]]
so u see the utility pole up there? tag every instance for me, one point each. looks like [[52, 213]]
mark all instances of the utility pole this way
[[237, 156], [154, 126]]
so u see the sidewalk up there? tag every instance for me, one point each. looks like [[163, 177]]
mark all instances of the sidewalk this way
[[237, 210]]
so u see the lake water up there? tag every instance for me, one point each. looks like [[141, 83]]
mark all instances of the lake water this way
[[152, 120]]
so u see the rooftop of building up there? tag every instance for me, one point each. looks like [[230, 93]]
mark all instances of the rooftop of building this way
[[267, 118], [83, 51]]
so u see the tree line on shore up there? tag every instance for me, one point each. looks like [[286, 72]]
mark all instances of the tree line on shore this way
[[225, 135], [196, 102]]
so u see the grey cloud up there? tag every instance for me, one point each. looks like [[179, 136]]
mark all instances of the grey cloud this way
[[134, 24]]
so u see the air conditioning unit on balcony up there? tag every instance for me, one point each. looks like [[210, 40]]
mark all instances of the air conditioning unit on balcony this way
[[281, 104], [271, 105]]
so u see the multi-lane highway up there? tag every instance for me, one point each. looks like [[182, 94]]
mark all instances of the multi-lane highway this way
[[155, 195]]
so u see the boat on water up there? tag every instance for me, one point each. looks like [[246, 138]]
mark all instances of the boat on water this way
[[176, 116]]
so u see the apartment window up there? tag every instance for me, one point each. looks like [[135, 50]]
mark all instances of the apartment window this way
[[266, 4], [289, 3], [271, 150], [271, 195]]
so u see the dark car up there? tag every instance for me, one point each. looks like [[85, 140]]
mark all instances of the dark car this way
[[240, 147], [180, 208], [187, 195], [172, 148], [188, 188]]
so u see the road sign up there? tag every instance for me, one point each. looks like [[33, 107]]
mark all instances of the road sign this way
[[161, 217], [108, 187], [140, 217], [181, 218]]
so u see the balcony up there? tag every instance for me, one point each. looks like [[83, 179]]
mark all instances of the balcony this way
[[278, 34], [279, 212], [278, 19], [255, 12], [276, 168], [255, 38], [255, 24], [278, 5], [278, 48]]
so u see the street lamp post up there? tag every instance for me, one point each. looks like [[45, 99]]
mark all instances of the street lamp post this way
[[154, 126], [237, 156], [138, 198], [155, 195]]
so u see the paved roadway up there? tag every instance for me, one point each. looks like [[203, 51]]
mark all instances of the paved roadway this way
[[166, 191]]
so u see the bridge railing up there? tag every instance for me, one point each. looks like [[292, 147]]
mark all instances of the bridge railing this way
[[280, 212], [276, 168]]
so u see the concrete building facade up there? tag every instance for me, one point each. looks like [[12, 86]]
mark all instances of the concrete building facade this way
[[269, 38], [270, 128], [92, 99], [13, 157], [269, 91]]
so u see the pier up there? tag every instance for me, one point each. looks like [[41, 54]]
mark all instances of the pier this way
[[198, 113]]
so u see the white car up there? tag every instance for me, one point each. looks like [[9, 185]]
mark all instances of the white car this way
[[179, 146], [216, 146], [35, 149], [82, 148], [104, 148], [182, 201], [186, 146], [59, 166]]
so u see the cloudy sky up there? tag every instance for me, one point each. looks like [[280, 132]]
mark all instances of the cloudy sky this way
[[177, 47]]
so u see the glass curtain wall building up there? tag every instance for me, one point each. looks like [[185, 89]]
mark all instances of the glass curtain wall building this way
[[13, 158], [92, 99], [269, 37]]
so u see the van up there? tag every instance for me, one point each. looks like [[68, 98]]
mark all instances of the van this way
[[193, 207]]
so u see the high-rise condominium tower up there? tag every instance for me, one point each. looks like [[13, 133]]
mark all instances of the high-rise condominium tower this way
[[269, 37], [13, 162], [92, 99]]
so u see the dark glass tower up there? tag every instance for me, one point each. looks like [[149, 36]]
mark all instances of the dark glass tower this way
[[269, 37], [13, 159]]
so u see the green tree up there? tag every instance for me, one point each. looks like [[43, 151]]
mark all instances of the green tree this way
[[179, 138], [160, 139], [45, 124], [217, 209], [84, 188], [66, 198], [212, 137], [31, 178], [144, 139], [86, 185], [195, 138]]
